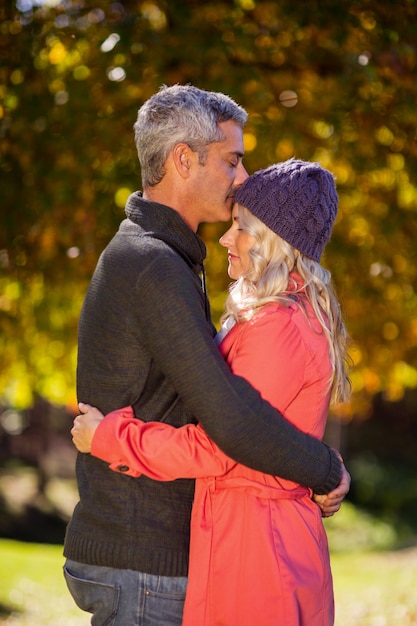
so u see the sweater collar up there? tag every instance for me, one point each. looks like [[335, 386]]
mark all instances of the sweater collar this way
[[162, 222]]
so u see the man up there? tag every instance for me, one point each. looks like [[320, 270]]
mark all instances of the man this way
[[146, 340]]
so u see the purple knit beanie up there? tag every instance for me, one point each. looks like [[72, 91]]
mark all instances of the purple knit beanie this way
[[295, 199]]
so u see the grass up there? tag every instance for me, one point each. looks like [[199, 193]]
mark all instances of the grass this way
[[32, 588], [372, 589], [374, 582], [376, 589]]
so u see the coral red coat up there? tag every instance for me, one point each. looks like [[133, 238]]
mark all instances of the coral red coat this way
[[259, 552]]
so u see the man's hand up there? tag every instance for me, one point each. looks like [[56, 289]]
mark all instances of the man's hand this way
[[85, 426], [331, 503]]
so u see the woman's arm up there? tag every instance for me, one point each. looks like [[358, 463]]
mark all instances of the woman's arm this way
[[156, 449]]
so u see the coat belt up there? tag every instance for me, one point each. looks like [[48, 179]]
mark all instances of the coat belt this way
[[260, 490]]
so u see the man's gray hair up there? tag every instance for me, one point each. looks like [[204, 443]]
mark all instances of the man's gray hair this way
[[176, 114]]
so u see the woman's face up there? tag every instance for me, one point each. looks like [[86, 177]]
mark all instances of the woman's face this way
[[238, 244]]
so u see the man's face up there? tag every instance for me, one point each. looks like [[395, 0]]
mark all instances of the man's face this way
[[223, 172]]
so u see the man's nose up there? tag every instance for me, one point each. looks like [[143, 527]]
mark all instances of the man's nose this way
[[241, 175]]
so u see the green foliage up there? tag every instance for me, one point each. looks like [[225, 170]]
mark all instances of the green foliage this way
[[388, 490], [353, 530], [329, 81]]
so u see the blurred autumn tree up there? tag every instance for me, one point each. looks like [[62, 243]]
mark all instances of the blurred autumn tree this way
[[327, 80]]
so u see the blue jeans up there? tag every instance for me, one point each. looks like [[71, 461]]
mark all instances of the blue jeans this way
[[119, 597]]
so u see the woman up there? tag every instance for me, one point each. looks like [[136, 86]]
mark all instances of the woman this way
[[258, 550]]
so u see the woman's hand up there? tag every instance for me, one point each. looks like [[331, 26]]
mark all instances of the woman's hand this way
[[85, 426]]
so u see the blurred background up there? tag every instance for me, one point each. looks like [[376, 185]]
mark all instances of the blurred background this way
[[323, 80]]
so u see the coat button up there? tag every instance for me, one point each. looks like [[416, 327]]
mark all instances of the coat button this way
[[123, 468]]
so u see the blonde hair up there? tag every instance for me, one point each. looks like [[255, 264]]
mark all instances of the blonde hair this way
[[269, 280]]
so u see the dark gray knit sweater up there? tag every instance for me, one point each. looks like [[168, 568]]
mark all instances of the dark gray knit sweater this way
[[145, 341]]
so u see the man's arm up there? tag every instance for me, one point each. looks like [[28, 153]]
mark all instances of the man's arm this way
[[171, 321]]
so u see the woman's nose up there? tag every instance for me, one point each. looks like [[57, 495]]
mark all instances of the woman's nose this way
[[225, 239]]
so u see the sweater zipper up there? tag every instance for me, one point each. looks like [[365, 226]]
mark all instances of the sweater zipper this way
[[204, 288]]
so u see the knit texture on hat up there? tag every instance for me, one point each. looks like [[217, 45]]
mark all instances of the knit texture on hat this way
[[295, 199]]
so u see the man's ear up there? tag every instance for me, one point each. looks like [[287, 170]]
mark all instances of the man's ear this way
[[182, 156]]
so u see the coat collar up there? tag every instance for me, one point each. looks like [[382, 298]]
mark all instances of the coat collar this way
[[162, 222]]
